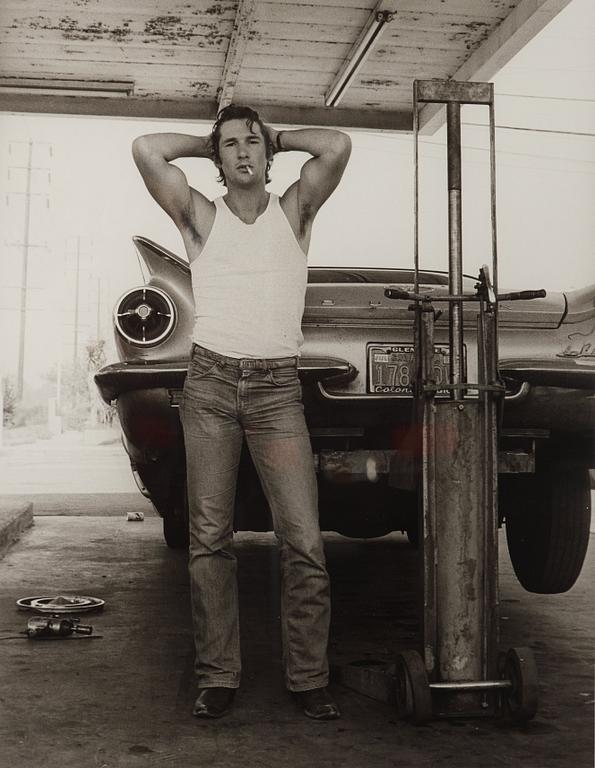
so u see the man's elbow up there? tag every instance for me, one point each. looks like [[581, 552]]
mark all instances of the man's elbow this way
[[140, 149], [146, 154], [343, 149], [346, 142], [343, 146]]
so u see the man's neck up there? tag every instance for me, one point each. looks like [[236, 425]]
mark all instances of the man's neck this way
[[247, 204]]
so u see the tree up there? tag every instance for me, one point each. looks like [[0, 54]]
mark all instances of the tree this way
[[81, 404], [99, 412], [9, 401]]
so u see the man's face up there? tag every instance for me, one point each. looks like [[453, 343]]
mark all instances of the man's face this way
[[242, 152]]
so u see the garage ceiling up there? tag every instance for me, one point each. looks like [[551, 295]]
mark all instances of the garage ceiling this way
[[186, 58]]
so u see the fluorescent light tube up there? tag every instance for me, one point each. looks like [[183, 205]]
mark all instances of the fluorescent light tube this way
[[357, 57], [51, 87]]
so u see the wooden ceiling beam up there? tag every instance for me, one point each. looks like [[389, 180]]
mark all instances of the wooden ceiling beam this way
[[516, 30], [395, 120], [390, 120], [235, 53], [89, 106]]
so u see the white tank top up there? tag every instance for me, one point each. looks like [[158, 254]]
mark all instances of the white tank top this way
[[249, 286]]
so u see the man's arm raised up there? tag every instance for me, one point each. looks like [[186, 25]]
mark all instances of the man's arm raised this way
[[319, 177], [167, 183]]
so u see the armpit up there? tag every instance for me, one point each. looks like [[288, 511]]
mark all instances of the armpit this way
[[187, 223], [306, 215]]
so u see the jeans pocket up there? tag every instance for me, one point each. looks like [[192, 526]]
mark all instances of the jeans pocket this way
[[201, 366], [283, 377]]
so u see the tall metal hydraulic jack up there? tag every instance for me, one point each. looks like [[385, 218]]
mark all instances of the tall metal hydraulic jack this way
[[461, 670]]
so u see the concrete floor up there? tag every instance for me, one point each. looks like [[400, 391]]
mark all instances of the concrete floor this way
[[124, 697]]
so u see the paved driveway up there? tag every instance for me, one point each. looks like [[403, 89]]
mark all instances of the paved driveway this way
[[124, 697]]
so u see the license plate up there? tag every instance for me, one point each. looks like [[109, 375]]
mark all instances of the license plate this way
[[391, 368]]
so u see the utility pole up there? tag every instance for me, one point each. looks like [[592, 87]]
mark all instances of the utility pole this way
[[79, 282], [98, 308], [1, 409], [24, 276], [76, 298], [26, 245]]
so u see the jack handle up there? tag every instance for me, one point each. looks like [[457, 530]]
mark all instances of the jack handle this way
[[393, 292], [523, 295]]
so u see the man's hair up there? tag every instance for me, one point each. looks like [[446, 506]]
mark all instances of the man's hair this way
[[237, 112]]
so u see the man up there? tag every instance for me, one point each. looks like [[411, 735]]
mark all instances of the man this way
[[248, 259]]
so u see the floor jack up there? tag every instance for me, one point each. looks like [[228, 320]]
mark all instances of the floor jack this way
[[461, 671]]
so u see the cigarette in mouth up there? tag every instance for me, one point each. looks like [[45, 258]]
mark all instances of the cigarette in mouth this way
[[249, 170]]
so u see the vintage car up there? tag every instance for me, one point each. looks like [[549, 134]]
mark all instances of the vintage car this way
[[359, 408]]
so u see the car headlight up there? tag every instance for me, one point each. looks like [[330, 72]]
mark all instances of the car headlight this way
[[145, 316]]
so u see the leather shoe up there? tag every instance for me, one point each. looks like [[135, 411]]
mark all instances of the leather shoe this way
[[318, 704], [213, 702]]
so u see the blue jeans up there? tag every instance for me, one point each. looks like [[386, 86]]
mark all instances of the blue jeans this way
[[225, 400]]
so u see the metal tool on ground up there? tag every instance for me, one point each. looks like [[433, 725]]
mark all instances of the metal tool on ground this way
[[60, 604], [461, 671], [51, 627]]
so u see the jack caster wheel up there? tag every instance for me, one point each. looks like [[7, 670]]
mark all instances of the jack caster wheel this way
[[414, 697], [520, 700]]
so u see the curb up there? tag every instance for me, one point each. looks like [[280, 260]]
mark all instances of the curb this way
[[14, 519]]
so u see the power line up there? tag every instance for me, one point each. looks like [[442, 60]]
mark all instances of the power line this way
[[502, 161], [550, 69], [533, 130], [516, 164], [428, 143], [544, 98], [518, 154]]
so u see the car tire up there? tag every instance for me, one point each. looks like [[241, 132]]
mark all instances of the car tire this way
[[412, 533], [548, 519], [175, 520]]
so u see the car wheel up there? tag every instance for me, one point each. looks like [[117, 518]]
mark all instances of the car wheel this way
[[548, 518], [175, 520]]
